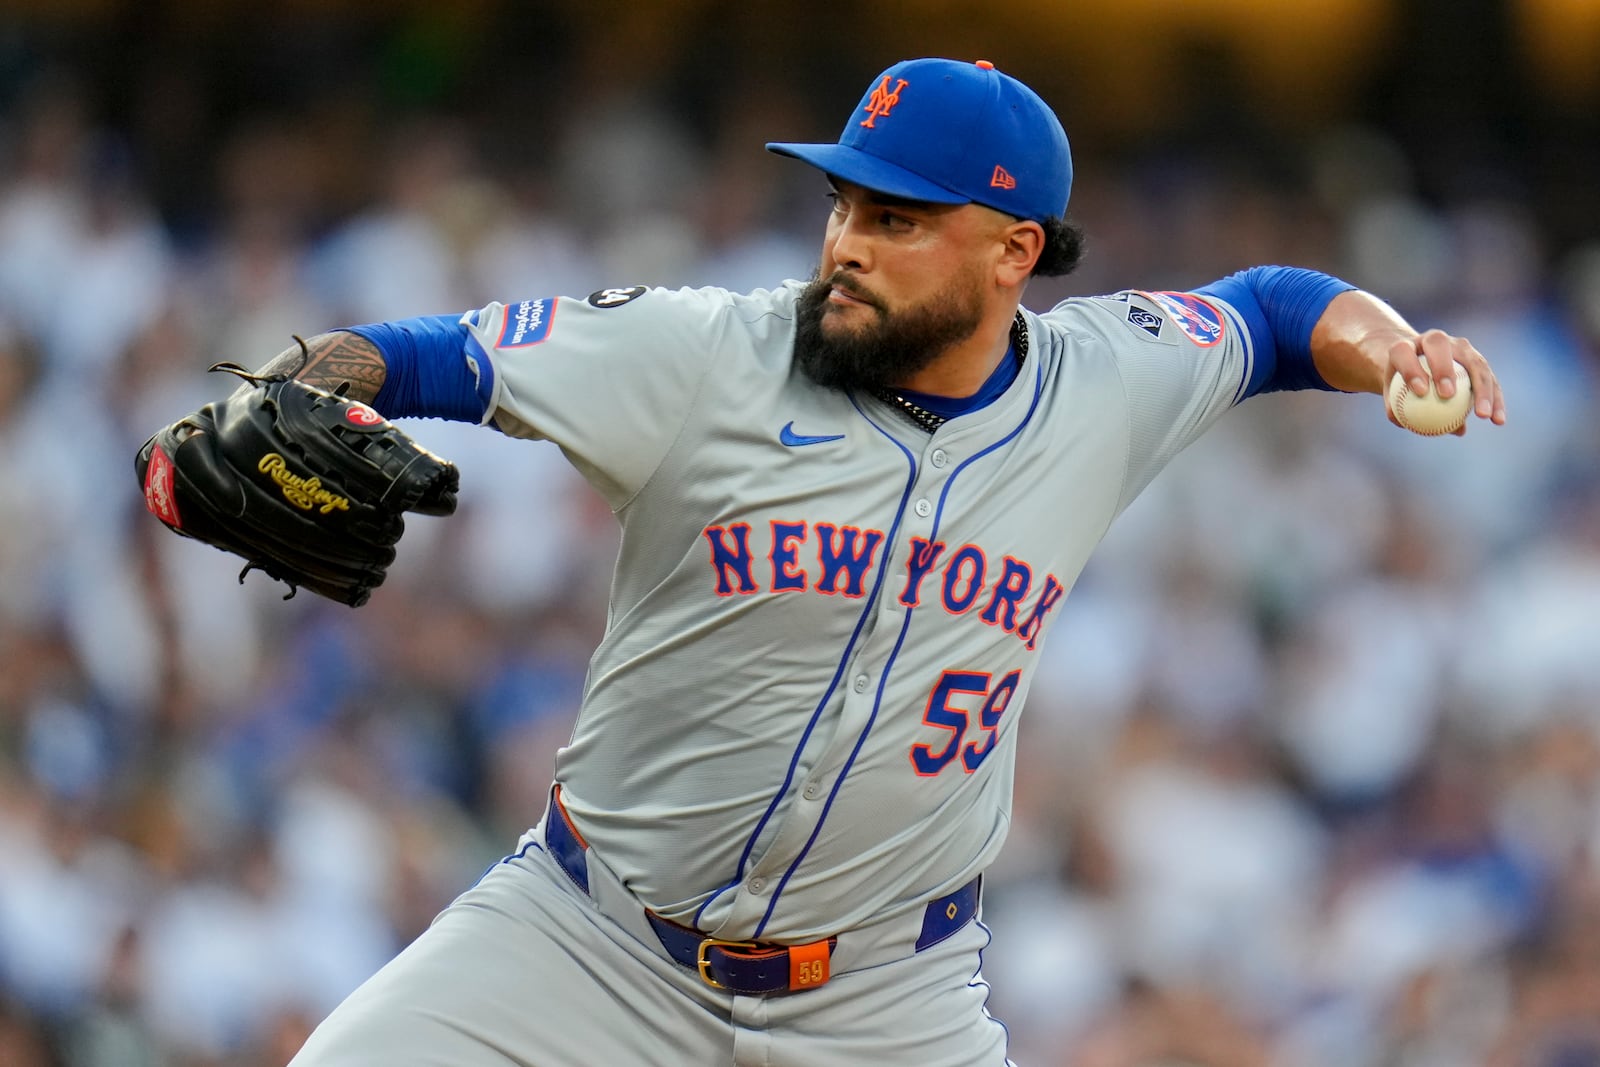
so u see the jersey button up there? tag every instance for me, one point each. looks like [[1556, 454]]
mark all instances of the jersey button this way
[[861, 683], [757, 884], [924, 508], [812, 789], [940, 457]]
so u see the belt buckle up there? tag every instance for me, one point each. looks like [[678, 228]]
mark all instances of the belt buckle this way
[[706, 945]]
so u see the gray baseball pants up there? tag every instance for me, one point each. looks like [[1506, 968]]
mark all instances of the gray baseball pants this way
[[526, 969]]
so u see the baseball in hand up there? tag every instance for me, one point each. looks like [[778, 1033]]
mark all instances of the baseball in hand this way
[[1431, 414]]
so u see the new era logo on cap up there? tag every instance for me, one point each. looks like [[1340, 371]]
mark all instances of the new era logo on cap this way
[[947, 132]]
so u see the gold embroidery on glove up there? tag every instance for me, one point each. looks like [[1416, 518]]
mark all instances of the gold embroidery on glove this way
[[303, 493]]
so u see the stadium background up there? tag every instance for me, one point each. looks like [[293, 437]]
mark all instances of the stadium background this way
[[1312, 766]]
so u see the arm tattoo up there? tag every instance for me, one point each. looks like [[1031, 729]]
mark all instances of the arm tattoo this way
[[331, 360]]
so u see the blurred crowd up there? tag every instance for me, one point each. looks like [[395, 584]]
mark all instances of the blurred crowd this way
[[1311, 772]]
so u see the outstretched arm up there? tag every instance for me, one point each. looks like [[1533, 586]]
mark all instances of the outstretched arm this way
[[1313, 331], [1360, 342]]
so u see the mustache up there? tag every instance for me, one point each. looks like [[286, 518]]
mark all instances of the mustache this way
[[841, 280]]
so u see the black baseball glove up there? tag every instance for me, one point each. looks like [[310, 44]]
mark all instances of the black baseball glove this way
[[303, 484]]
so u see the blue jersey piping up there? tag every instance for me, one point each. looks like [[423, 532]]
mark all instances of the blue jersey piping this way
[[888, 666], [833, 685]]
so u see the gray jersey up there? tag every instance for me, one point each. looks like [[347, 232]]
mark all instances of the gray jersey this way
[[824, 620]]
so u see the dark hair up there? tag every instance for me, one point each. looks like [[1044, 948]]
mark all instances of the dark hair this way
[[1063, 248]]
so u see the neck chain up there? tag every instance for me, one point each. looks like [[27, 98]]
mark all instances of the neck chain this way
[[930, 420]]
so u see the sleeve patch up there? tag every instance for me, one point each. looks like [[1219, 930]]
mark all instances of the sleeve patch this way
[[1199, 319], [527, 323], [1148, 321], [614, 298]]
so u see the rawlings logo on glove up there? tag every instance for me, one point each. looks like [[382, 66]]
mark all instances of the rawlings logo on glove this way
[[301, 483], [303, 493]]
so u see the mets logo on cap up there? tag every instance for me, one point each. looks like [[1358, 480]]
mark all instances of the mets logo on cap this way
[[1199, 320], [882, 100]]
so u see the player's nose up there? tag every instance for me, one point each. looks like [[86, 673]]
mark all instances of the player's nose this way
[[851, 249]]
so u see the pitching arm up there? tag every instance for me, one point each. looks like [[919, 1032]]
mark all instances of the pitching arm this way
[[1359, 343]]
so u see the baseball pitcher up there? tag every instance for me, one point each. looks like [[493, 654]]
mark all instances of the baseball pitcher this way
[[851, 510]]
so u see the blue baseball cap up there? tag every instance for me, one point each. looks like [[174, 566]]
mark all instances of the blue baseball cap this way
[[949, 132]]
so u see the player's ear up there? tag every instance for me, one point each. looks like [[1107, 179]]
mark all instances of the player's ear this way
[[1021, 244]]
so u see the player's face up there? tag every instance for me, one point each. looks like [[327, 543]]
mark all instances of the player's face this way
[[900, 284]]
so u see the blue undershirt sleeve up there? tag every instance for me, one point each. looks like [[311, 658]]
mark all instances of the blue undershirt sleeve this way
[[430, 369], [1280, 305]]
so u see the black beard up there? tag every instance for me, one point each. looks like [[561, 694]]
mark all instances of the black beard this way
[[892, 350]]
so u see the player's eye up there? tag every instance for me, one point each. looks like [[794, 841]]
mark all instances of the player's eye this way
[[891, 221], [837, 202]]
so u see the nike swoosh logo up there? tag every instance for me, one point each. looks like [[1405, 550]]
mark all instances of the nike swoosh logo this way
[[795, 440]]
